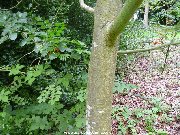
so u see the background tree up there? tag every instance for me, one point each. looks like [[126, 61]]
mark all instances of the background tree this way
[[146, 12]]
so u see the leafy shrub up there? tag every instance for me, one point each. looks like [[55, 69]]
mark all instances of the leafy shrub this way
[[43, 76]]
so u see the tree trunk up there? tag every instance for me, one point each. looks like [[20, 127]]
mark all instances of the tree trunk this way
[[146, 12], [102, 69], [110, 20]]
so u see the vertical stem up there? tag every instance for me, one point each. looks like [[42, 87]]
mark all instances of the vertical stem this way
[[146, 17]]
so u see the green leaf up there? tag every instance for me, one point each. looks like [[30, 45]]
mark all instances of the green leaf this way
[[13, 36], [81, 95], [30, 77], [4, 95], [36, 39], [31, 80], [122, 87], [63, 57], [65, 80], [155, 109], [23, 42], [52, 56], [75, 56], [58, 24], [80, 122], [39, 70], [38, 47], [162, 132], [39, 123], [16, 70], [81, 43], [3, 39], [4, 98], [50, 71]]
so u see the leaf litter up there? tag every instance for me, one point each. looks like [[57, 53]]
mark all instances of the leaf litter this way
[[158, 88]]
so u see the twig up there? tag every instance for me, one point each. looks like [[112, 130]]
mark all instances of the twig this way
[[86, 7], [4, 70], [25, 55], [142, 97], [13, 6], [149, 100], [36, 2], [167, 54], [147, 49], [35, 60]]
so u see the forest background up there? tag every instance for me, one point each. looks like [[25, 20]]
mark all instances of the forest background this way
[[45, 47]]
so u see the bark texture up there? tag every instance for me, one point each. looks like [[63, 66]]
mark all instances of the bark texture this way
[[110, 19], [101, 69]]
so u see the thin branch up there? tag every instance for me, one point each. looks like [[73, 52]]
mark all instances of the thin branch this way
[[14, 6], [167, 53], [86, 7], [147, 49], [36, 2], [25, 55], [4, 70], [35, 60], [123, 18]]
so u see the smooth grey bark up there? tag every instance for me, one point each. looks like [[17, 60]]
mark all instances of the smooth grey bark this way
[[110, 19], [146, 12], [86, 7]]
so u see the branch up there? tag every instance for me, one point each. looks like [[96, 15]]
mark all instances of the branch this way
[[147, 49], [86, 7], [25, 55], [14, 6], [123, 18]]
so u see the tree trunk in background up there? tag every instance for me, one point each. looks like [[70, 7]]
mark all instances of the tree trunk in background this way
[[146, 17], [101, 69]]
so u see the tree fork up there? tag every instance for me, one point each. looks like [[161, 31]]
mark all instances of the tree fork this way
[[123, 18], [108, 16]]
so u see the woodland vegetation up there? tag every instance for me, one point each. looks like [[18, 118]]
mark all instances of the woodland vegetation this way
[[89, 67]]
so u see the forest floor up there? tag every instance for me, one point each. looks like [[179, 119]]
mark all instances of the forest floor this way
[[154, 107]]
